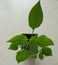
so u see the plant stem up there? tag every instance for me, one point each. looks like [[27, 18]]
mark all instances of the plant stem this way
[[32, 33]]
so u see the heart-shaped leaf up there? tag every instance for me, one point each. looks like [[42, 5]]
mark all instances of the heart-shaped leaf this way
[[47, 51], [43, 40], [35, 16], [18, 40], [22, 55]]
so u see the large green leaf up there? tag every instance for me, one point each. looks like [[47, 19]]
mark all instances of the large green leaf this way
[[47, 51], [35, 16], [22, 56], [13, 47], [33, 46], [18, 40], [44, 41]]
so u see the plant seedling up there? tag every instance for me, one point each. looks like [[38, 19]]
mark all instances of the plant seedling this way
[[32, 45]]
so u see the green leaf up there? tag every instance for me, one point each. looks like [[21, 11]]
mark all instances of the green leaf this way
[[44, 41], [36, 16], [41, 56], [13, 47], [34, 57], [47, 51], [22, 56], [33, 46], [18, 40]]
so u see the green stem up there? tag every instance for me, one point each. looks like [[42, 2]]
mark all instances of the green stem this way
[[32, 33]]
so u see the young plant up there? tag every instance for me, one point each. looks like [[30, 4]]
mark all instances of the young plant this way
[[31, 45]]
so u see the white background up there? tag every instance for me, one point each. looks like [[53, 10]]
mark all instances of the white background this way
[[14, 20]]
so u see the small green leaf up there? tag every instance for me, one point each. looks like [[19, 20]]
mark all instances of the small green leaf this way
[[34, 57], [33, 46], [36, 16], [13, 47], [41, 56], [44, 41], [22, 56], [18, 40], [47, 51]]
